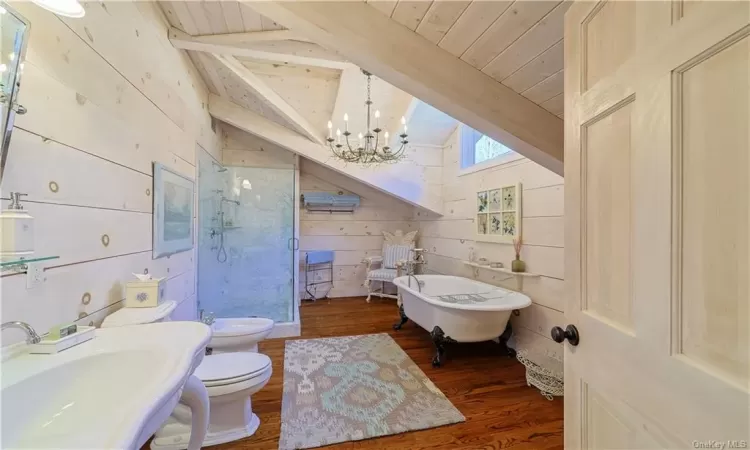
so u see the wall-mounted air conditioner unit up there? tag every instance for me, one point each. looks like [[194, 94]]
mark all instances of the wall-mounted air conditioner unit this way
[[329, 203]]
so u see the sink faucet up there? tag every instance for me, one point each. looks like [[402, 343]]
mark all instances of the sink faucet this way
[[31, 336], [208, 319]]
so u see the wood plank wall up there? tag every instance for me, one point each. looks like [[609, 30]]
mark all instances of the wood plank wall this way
[[353, 236], [450, 239], [106, 95]]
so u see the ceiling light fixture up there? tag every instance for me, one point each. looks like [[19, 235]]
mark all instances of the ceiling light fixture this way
[[67, 8], [367, 150]]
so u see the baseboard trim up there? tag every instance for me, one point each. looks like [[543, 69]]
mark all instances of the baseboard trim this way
[[286, 329]]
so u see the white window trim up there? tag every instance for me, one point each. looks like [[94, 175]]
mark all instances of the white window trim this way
[[489, 164]]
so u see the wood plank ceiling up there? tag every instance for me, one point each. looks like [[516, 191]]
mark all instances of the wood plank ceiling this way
[[201, 18], [518, 43], [215, 17]]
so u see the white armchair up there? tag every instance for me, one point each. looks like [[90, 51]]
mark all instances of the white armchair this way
[[383, 269]]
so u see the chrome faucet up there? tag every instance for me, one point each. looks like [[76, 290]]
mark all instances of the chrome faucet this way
[[419, 283], [31, 336], [208, 319]]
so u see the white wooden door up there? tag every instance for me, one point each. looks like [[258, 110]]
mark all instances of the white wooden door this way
[[657, 207]]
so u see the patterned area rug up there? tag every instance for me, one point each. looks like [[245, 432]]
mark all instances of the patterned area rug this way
[[355, 387]]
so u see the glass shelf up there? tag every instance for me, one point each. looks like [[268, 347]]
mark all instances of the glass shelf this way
[[18, 261]]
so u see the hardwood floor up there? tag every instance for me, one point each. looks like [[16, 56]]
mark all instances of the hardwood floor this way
[[487, 387]]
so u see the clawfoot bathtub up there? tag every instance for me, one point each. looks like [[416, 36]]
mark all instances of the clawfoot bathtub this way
[[456, 309]]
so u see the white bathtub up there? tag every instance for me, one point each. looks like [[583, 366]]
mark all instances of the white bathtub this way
[[481, 312]]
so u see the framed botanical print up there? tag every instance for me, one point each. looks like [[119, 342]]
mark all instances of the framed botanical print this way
[[173, 212], [498, 216]]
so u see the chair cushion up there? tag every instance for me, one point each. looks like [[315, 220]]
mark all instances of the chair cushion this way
[[382, 274], [393, 254]]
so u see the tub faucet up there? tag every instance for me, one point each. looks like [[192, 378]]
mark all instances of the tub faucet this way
[[31, 336], [419, 283], [208, 319]]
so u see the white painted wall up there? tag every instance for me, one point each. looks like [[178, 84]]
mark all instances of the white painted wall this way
[[450, 238], [107, 95]]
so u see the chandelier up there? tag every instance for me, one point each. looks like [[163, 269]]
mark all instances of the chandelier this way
[[368, 148]]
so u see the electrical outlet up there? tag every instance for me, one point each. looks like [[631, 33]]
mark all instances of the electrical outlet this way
[[35, 275]]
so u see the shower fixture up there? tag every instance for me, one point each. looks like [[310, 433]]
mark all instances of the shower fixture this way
[[219, 167], [221, 255]]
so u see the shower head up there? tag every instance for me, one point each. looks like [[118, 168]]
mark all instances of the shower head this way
[[219, 167]]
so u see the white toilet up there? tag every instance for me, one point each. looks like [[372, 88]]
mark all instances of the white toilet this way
[[237, 335], [231, 373]]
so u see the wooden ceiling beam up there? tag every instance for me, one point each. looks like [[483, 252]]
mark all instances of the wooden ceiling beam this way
[[272, 98], [419, 67], [213, 75], [296, 50], [393, 184]]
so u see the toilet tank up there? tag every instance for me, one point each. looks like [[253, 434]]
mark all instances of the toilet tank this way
[[139, 316]]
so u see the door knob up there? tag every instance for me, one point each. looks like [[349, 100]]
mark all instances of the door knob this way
[[570, 333]]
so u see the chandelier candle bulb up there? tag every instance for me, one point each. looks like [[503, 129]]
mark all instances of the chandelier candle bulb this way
[[369, 147]]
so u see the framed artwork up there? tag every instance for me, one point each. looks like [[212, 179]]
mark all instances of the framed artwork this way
[[498, 216], [173, 212]]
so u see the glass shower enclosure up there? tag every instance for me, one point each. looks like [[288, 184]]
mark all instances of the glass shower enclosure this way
[[246, 241]]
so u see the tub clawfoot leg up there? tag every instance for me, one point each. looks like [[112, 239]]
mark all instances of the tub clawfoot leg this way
[[503, 339], [439, 339], [404, 319]]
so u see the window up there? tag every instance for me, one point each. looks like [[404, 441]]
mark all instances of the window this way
[[476, 148]]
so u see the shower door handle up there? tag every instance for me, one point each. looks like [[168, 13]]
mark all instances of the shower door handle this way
[[292, 244]]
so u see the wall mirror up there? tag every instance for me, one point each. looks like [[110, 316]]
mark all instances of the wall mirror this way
[[14, 35]]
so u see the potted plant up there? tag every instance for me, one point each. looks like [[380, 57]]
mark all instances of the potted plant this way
[[517, 265]]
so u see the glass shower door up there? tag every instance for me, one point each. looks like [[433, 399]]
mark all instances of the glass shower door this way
[[256, 217]]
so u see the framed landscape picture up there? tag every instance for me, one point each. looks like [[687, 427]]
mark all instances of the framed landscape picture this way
[[173, 212]]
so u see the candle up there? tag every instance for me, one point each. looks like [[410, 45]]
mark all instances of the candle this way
[[346, 122], [330, 129], [377, 118], [403, 122], [338, 135]]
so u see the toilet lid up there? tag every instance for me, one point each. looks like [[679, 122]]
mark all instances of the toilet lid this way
[[241, 326], [137, 316], [231, 365]]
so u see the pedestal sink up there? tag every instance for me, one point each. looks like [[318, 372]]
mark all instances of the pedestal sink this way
[[113, 391]]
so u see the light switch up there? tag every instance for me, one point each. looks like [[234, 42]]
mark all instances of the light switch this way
[[35, 275]]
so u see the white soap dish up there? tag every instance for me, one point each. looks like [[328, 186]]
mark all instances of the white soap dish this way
[[48, 347]]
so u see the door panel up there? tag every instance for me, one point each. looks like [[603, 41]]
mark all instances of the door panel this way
[[608, 39], [657, 221], [606, 154], [712, 213]]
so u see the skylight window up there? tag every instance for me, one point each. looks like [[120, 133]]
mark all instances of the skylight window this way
[[476, 148]]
